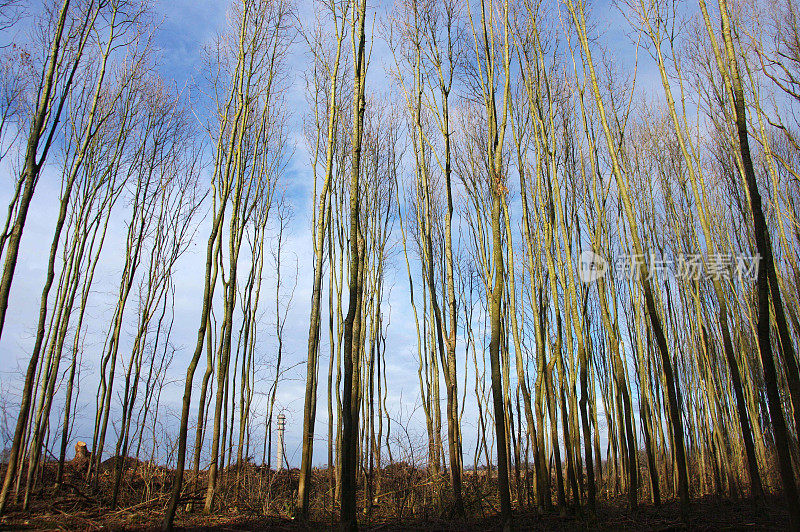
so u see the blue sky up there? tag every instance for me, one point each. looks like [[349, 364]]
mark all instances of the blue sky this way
[[185, 27]]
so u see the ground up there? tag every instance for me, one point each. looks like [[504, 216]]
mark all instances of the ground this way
[[408, 501], [709, 514]]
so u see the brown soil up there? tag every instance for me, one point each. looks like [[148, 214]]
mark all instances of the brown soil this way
[[405, 504]]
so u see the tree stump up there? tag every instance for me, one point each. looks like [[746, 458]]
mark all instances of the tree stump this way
[[82, 456]]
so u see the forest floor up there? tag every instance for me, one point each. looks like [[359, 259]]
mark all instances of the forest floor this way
[[708, 514], [79, 506]]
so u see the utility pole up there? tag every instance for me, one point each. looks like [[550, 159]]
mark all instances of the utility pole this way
[[281, 426]]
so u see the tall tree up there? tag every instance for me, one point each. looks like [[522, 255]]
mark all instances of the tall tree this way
[[352, 322], [330, 67]]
